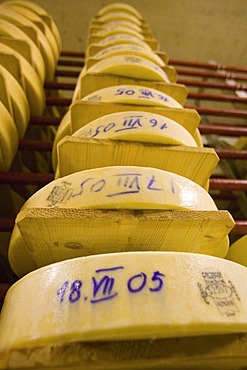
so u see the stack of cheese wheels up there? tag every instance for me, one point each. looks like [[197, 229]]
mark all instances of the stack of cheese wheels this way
[[29, 49], [159, 230]]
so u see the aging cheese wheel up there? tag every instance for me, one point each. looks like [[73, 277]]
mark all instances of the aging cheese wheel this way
[[128, 187], [133, 94], [125, 296], [137, 126], [130, 66]]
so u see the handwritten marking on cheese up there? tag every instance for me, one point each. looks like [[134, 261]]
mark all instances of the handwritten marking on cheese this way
[[103, 285], [131, 122], [142, 93], [215, 290], [124, 183]]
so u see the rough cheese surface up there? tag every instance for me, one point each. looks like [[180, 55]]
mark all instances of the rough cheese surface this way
[[126, 296]]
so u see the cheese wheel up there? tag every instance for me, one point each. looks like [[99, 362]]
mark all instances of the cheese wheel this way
[[130, 66], [64, 129], [107, 31], [45, 47], [122, 39], [119, 23], [8, 139], [133, 94], [128, 187], [133, 295], [7, 28], [36, 19], [115, 7], [34, 88], [104, 18], [238, 251], [20, 106], [43, 15], [137, 126], [130, 49]]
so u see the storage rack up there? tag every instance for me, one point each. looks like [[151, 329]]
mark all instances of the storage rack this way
[[217, 92]]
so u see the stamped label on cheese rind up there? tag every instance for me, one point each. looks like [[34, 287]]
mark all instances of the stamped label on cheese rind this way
[[127, 187], [137, 126], [133, 94]]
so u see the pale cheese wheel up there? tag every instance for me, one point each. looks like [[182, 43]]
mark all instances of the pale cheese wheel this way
[[118, 6], [7, 28], [130, 66], [127, 187], [119, 22], [44, 45], [64, 129], [43, 14], [34, 88], [130, 49], [122, 39], [137, 126], [132, 94], [121, 296], [238, 251], [108, 31], [8, 139], [104, 18], [36, 19], [19, 102]]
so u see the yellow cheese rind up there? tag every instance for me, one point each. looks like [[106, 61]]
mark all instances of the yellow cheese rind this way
[[130, 49], [128, 187], [43, 14], [238, 251], [104, 18], [20, 106], [113, 30], [132, 94], [34, 88], [122, 39], [137, 126], [118, 6], [122, 296], [64, 129], [9, 29], [130, 66], [8, 139]]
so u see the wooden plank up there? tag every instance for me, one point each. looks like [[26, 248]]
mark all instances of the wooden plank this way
[[52, 235], [78, 154], [91, 82], [224, 352]]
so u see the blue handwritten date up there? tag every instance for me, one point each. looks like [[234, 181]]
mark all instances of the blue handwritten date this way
[[103, 286]]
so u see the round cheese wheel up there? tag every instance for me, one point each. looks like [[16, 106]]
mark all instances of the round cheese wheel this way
[[137, 126], [133, 295]]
